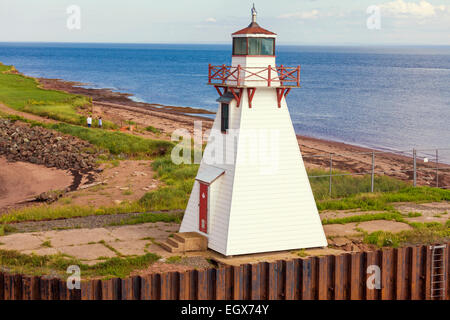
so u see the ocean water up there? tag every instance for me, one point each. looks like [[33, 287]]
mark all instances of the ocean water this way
[[382, 97]]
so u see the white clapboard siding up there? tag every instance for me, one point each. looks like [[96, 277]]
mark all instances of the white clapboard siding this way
[[259, 205], [275, 210]]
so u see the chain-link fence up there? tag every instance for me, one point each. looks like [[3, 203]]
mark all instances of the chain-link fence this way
[[418, 167]]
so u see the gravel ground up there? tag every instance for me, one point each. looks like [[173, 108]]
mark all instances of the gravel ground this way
[[89, 222]]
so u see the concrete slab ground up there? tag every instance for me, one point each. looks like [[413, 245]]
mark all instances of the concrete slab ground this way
[[128, 248], [88, 251], [89, 245], [21, 241], [77, 236], [389, 226]]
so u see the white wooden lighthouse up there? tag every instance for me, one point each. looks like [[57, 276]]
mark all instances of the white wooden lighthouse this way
[[252, 192]]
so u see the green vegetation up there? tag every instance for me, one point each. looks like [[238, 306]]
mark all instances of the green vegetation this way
[[179, 180], [423, 233], [5, 229], [46, 244], [116, 142], [103, 242], [54, 212], [345, 185], [153, 129], [414, 214], [393, 216], [49, 212], [302, 253], [382, 201], [24, 94], [150, 217], [174, 259], [39, 265]]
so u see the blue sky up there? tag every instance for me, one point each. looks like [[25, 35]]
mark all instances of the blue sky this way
[[315, 22]]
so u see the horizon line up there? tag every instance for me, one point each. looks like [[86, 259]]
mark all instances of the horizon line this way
[[229, 44]]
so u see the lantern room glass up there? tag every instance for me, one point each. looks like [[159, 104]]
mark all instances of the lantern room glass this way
[[254, 46], [240, 46]]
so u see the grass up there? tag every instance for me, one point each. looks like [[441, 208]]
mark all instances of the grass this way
[[414, 214], [103, 242], [153, 129], [54, 212], [302, 253], [24, 94], [40, 265], [116, 142], [5, 229], [423, 233], [178, 180], [383, 201], [343, 186], [46, 244], [392, 216], [150, 217], [174, 259]]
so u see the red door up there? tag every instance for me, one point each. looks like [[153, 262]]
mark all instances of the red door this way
[[203, 208]]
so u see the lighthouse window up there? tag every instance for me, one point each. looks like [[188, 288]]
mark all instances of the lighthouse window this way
[[254, 46], [261, 46], [240, 46], [224, 117]]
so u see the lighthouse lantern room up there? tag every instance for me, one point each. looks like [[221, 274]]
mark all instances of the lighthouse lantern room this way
[[257, 196]]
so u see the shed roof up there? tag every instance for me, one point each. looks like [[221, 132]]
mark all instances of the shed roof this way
[[209, 174]]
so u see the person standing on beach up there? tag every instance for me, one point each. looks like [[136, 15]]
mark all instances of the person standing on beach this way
[[89, 121], [100, 123]]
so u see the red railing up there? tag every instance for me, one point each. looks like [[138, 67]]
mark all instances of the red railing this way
[[246, 76]]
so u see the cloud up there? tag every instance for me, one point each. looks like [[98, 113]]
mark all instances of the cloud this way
[[305, 15], [404, 9], [211, 20]]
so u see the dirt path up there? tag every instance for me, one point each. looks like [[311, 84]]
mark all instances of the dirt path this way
[[29, 116], [20, 181]]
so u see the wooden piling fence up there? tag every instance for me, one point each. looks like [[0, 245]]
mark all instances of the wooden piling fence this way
[[405, 274]]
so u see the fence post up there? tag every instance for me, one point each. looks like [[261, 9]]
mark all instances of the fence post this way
[[331, 170], [238, 75], [415, 167], [437, 168], [209, 73], [373, 172]]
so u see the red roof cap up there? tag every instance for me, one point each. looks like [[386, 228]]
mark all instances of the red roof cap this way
[[254, 28]]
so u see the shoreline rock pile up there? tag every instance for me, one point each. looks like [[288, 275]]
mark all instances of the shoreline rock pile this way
[[20, 142]]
